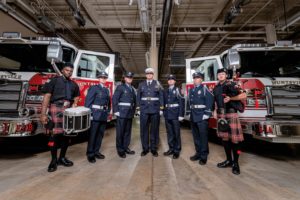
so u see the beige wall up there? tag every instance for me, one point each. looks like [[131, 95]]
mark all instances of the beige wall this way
[[9, 24]]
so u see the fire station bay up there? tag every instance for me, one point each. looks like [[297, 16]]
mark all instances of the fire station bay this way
[[149, 99]]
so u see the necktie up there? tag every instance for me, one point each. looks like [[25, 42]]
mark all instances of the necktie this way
[[148, 83]]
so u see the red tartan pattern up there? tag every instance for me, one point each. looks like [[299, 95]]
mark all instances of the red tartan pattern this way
[[56, 113], [236, 133]]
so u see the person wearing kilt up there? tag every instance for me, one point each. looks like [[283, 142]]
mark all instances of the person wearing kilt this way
[[124, 104], [61, 93], [98, 100], [228, 99]]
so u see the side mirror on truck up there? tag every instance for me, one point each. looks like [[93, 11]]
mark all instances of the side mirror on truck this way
[[55, 54], [234, 60]]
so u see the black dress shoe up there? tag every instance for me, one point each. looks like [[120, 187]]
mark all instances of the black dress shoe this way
[[144, 153], [236, 168], [202, 162], [129, 151], [122, 154], [65, 162], [175, 155], [99, 156], [154, 153], [168, 153], [91, 159], [52, 166], [224, 164], [195, 157]]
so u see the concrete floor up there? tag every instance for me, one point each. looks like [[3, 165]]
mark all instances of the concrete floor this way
[[24, 176]]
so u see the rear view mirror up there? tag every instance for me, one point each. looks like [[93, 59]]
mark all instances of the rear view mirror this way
[[54, 52], [233, 59]]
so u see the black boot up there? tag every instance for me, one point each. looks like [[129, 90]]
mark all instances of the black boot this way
[[228, 161], [53, 150], [236, 153], [62, 157]]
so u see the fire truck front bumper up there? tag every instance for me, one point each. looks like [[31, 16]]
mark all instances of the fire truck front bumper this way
[[17, 127], [276, 131]]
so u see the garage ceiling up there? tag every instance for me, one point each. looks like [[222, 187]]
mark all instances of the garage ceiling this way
[[196, 28]]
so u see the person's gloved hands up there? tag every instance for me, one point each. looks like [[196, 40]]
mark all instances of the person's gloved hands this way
[[205, 117], [138, 113], [180, 119], [117, 114], [161, 113]]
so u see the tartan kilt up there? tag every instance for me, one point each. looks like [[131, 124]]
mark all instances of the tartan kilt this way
[[56, 113], [235, 134]]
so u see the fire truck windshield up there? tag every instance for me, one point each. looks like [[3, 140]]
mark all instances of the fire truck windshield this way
[[29, 57], [270, 63]]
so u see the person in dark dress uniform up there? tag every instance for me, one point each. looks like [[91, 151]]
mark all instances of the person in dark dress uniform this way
[[173, 113], [98, 100], [61, 93], [200, 101], [227, 96], [124, 104], [150, 106]]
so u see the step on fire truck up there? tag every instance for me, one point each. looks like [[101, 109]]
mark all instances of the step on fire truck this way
[[26, 64], [270, 76]]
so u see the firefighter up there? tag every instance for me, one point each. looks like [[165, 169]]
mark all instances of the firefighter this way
[[124, 104], [173, 113], [61, 93], [98, 100], [200, 102], [150, 107], [227, 97]]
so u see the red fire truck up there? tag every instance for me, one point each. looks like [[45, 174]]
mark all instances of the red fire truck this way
[[27, 63], [270, 76]]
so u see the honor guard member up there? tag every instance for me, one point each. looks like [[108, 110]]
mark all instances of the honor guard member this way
[[150, 106], [61, 93], [200, 101], [228, 99], [98, 100], [173, 113], [124, 104]]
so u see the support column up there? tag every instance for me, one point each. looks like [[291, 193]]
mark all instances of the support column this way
[[271, 34], [153, 49]]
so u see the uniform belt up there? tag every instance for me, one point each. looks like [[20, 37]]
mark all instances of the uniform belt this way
[[124, 104], [198, 106], [99, 107], [172, 105], [150, 98]]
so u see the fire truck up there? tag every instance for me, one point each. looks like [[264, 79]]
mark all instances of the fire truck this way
[[269, 74], [26, 64]]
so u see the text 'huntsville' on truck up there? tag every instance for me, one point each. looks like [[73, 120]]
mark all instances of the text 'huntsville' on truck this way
[[26, 64], [270, 76]]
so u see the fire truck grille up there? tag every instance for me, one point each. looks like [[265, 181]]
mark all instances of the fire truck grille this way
[[10, 95], [286, 100]]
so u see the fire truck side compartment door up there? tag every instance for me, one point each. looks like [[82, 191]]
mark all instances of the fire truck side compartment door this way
[[88, 64], [207, 65]]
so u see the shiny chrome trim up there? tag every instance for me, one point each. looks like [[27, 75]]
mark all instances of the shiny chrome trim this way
[[269, 100]]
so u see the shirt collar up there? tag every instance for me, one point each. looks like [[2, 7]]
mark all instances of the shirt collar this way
[[171, 87]]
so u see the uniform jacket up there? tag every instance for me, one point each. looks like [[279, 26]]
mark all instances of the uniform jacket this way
[[155, 90], [173, 97], [98, 96], [200, 96], [124, 94], [231, 89]]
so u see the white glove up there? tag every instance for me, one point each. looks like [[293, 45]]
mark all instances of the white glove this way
[[117, 114], [138, 113], [205, 117], [161, 113], [180, 119]]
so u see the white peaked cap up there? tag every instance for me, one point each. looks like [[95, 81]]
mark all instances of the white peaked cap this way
[[149, 70]]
